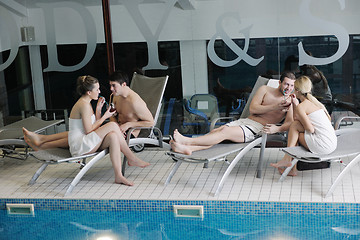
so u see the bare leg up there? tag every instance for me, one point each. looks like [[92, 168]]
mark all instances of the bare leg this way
[[296, 133], [39, 141], [293, 171], [111, 141], [216, 136], [185, 149], [133, 160], [284, 162]]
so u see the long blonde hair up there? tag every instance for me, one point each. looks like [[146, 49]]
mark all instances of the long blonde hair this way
[[304, 85]]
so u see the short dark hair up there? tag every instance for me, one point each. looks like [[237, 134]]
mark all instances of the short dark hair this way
[[287, 74], [120, 77]]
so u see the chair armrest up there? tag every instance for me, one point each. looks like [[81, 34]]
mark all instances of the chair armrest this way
[[338, 121], [152, 130], [194, 111], [213, 122]]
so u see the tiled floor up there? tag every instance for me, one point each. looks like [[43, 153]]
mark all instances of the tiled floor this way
[[191, 182]]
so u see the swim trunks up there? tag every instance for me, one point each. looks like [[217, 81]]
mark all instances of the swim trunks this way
[[251, 128]]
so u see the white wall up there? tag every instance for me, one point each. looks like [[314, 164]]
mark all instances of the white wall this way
[[267, 18]]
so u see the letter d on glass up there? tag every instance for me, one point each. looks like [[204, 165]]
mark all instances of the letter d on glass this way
[[89, 26]]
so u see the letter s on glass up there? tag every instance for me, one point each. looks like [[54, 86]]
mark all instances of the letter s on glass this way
[[339, 31]]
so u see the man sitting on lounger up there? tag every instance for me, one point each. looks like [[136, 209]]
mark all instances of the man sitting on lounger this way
[[131, 109], [131, 112], [268, 107]]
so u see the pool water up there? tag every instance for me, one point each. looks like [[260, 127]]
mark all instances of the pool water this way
[[152, 225]]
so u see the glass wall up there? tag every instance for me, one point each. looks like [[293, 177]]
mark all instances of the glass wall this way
[[216, 47]]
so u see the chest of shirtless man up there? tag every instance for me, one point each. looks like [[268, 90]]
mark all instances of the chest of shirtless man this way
[[131, 110]]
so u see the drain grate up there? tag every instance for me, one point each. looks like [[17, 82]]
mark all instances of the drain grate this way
[[19, 208], [188, 211]]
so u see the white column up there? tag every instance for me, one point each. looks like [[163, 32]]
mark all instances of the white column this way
[[194, 67], [37, 77]]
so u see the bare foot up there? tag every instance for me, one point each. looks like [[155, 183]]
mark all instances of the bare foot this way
[[293, 171], [32, 139], [137, 162], [123, 180], [180, 148], [28, 137], [179, 138], [282, 163]]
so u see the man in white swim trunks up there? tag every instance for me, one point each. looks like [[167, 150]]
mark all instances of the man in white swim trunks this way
[[130, 107], [269, 107]]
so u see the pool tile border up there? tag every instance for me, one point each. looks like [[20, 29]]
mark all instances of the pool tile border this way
[[237, 207]]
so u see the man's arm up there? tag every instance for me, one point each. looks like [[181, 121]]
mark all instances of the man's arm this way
[[289, 118], [113, 119], [290, 115], [287, 122], [145, 118], [256, 106]]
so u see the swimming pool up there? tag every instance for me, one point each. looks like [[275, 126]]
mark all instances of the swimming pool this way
[[142, 219]]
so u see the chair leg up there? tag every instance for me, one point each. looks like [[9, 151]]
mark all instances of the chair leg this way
[[342, 174], [235, 161], [171, 174], [78, 177], [37, 173], [123, 166], [288, 169], [261, 156]]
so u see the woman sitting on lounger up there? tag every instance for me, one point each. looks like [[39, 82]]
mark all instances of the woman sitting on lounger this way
[[86, 135], [312, 126]]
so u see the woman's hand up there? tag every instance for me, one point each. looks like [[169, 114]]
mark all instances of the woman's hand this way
[[100, 103], [108, 113], [294, 100]]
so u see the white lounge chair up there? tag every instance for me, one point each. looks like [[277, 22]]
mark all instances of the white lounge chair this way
[[12, 141], [219, 152], [59, 155], [347, 146], [151, 90]]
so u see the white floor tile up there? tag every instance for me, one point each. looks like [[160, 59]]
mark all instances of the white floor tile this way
[[190, 182]]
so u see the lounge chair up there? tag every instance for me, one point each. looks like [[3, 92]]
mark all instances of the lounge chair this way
[[219, 152], [59, 155], [200, 111], [12, 141], [347, 146], [151, 90]]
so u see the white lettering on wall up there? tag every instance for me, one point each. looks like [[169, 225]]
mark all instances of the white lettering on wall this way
[[241, 53], [8, 29], [90, 29], [151, 39], [339, 31]]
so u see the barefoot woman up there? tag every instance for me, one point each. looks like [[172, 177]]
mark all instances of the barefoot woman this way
[[312, 128], [86, 135]]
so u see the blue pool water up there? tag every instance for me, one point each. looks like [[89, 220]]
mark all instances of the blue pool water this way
[[152, 225]]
